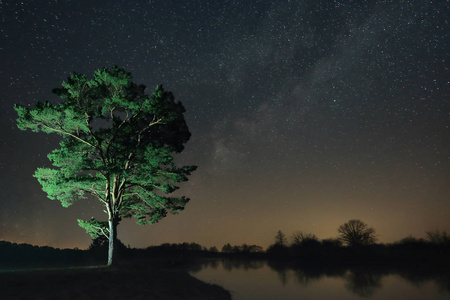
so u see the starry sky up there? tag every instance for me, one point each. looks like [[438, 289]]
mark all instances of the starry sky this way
[[304, 114]]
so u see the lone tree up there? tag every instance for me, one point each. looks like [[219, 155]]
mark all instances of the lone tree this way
[[280, 239], [356, 233], [117, 145]]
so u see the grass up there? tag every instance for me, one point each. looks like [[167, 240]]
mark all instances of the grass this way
[[149, 279]]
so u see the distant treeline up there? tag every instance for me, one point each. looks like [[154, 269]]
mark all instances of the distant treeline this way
[[14, 255], [301, 247], [333, 251], [199, 250], [356, 242]]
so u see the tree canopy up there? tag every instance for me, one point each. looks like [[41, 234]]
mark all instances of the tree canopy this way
[[356, 233], [117, 145]]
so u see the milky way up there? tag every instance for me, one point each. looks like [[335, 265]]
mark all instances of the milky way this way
[[303, 114]]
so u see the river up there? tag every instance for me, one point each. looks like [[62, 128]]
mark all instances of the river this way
[[260, 280]]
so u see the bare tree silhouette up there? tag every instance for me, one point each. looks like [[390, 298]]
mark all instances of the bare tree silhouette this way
[[356, 233], [280, 238], [300, 237]]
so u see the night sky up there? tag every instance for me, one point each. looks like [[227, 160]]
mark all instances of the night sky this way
[[303, 114]]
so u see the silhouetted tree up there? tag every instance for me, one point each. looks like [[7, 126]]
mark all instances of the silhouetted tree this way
[[331, 243], [300, 237], [245, 248], [356, 233], [280, 238], [411, 243], [242, 249], [227, 248], [213, 249], [331, 248], [438, 237], [279, 248], [195, 247], [305, 245], [117, 145], [255, 249]]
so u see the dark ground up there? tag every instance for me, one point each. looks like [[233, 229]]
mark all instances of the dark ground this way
[[133, 280]]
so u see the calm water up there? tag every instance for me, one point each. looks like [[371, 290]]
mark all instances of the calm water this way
[[251, 280]]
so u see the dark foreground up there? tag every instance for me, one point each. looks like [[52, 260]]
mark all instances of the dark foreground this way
[[133, 280]]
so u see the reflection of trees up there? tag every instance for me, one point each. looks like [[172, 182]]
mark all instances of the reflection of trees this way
[[419, 277], [230, 264], [309, 273], [214, 263], [304, 274], [362, 282], [195, 266], [281, 268], [304, 278], [415, 278], [283, 276], [443, 282]]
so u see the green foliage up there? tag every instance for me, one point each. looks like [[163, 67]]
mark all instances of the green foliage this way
[[117, 145], [95, 228]]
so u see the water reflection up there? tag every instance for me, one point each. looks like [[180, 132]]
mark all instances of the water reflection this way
[[230, 264], [361, 281], [227, 264], [418, 279]]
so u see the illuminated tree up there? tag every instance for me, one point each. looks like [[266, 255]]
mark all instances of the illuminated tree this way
[[356, 233], [117, 145]]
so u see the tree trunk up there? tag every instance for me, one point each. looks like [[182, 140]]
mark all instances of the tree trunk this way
[[112, 240]]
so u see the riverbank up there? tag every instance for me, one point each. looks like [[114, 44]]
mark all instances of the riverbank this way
[[131, 280]]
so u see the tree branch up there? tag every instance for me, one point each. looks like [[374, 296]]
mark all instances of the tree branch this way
[[68, 133]]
